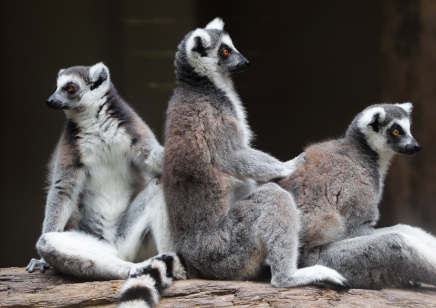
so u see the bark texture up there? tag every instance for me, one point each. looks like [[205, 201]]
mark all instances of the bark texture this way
[[20, 289]]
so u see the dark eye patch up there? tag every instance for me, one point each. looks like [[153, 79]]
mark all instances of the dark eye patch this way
[[68, 85], [221, 50], [396, 127]]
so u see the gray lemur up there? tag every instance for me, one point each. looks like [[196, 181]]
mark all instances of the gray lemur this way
[[337, 190], [105, 204], [222, 226]]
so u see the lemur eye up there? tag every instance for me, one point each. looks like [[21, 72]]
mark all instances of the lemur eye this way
[[225, 52], [396, 132], [70, 88]]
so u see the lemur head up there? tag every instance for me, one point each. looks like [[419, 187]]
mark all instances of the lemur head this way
[[209, 52], [386, 128], [79, 87]]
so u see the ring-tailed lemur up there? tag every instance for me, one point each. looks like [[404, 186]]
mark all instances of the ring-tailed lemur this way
[[222, 226], [105, 204], [338, 189]]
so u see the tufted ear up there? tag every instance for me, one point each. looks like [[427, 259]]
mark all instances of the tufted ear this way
[[372, 117], [198, 42], [99, 74], [217, 24], [61, 72], [406, 106], [377, 119]]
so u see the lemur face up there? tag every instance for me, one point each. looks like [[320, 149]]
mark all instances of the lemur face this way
[[387, 128], [211, 50], [400, 139], [79, 87]]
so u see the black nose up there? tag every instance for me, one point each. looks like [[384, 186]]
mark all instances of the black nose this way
[[417, 147], [247, 63]]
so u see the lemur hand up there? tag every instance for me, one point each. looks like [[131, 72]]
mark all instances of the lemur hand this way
[[294, 163], [37, 263]]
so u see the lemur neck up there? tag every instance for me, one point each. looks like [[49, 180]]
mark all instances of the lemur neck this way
[[377, 161]]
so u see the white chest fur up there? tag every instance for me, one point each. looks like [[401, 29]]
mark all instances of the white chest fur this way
[[107, 158]]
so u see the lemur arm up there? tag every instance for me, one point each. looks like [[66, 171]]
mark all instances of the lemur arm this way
[[66, 183], [154, 160], [258, 165]]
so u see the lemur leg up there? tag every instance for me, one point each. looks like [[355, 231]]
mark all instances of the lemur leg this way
[[388, 259], [82, 255], [147, 215], [415, 232], [263, 225]]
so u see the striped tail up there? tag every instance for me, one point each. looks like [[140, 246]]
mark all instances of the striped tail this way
[[144, 287]]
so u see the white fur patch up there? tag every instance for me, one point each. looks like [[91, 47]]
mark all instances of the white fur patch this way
[[308, 275], [190, 43], [367, 116], [178, 269], [406, 106], [217, 24], [96, 69], [142, 281]]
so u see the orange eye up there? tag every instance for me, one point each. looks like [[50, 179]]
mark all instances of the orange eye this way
[[225, 52], [395, 132], [70, 88]]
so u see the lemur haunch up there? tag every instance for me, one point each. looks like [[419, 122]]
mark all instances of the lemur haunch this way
[[337, 190], [222, 226], [104, 205]]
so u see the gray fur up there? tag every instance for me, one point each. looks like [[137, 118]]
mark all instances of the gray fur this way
[[222, 226], [103, 193], [337, 190]]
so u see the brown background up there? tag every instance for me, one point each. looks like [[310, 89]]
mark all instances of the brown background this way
[[315, 65]]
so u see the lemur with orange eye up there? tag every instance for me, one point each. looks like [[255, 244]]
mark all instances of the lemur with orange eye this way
[[105, 204], [337, 190], [222, 224]]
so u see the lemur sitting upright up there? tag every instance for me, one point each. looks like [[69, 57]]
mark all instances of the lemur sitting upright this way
[[337, 190], [222, 226], [105, 204]]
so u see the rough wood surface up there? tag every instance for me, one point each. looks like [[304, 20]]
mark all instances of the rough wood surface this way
[[20, 289]]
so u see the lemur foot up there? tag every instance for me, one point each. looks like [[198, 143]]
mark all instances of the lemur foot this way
[[308, 275], [37, 263]]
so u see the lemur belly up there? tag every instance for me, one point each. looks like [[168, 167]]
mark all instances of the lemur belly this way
[[109, 184]]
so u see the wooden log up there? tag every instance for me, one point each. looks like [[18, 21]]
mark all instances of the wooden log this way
[[21, 289]]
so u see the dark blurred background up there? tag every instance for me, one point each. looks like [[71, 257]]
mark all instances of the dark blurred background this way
[[315, 65]]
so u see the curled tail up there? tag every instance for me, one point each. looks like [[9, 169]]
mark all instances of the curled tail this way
[[145, 285]]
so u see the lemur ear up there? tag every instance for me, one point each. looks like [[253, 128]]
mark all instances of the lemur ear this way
[[406, 106], [198, 42], [377, 119], [99, 74], [217, 24], [61, 72], [372, 117]]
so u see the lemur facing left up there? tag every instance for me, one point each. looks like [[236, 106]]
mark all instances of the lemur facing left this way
[[105, 204]]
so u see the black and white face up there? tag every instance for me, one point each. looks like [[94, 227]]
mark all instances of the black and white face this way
[[211, 51], [387, 128], [78, 87], [399, 137]]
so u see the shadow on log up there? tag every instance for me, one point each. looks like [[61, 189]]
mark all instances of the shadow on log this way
[[20, 289]]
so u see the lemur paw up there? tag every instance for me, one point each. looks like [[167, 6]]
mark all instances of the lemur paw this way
[[41, 264], [294, 163]]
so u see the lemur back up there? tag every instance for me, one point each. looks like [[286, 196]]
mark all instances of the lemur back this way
[[221, 223], [340, 184]]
